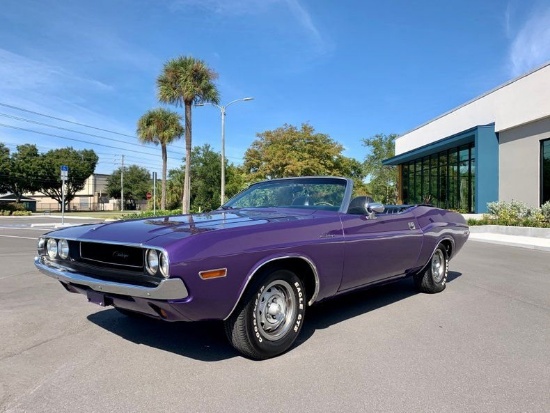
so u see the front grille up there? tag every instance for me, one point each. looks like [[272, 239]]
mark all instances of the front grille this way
[[117, 256]]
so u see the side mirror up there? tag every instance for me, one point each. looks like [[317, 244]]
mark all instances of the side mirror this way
[[373, 208]]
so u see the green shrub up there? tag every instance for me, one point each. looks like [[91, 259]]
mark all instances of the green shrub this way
[[13, 206], [545, 211], [21, 213], [515, 213], [148, 214]]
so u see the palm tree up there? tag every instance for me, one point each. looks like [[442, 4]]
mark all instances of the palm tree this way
[[185, 81], [160, 126]]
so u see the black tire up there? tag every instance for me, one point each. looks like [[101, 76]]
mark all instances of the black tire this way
[[270, 316], [433, 278]]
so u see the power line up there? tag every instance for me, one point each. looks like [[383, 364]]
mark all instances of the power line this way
[[73, 139], [65, 120], [72, 130], [75, 131]]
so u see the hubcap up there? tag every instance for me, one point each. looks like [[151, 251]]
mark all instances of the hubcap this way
[[438, 266], [276, 310]]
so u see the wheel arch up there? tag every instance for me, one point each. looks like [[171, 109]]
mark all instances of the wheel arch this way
[[449, 244], [302, 266]]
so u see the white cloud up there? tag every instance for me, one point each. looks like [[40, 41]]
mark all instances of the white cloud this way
[[24, 76], [530, 45], [251, 7], [301, 14]]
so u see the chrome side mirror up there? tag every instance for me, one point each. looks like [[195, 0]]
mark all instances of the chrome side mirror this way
[[373, 208]]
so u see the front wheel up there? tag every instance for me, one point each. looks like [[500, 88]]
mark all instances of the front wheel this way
[[433, 278], [270, 316]]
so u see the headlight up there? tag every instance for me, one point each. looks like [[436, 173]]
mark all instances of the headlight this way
[[51, 247], [163, 265], [41, 243], [63, 248], [152, 261]]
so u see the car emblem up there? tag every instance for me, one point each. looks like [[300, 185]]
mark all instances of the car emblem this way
[[119, 254]]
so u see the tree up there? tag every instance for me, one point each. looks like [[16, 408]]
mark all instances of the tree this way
[[288, 151], [81, 165], [383, 178], [137, 182], [185, 81], [205, 174], [160, 126], [20, 172], [5, 166]]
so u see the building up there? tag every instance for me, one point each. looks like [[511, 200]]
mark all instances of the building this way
[[28, 203], [93, 197], [494, 147]]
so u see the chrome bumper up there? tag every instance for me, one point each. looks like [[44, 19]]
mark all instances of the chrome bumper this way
[[170, 289]]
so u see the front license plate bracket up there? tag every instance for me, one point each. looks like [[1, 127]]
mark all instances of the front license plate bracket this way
[[98, 298]]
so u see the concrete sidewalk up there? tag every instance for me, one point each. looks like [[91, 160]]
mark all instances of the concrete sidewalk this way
[[532, 238]]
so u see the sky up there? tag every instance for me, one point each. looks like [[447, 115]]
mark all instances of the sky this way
[[81, 73]]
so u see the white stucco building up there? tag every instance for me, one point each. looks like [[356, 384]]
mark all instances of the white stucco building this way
[[494, 147]]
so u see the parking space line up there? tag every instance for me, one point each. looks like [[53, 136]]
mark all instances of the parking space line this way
[[15, 236]]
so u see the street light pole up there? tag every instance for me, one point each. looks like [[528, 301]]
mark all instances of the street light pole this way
[[222, 195], [222, 109]]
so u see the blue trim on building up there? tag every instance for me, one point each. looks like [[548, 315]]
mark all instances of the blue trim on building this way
[[452, 141], [486, 160], [486, 153]]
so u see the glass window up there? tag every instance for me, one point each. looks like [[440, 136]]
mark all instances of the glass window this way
[[417, 189], [445, 179], [545, 171], [405, 182], [464, 179], [452, 180]]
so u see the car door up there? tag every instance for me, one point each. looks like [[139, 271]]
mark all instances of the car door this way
[[379, 248]]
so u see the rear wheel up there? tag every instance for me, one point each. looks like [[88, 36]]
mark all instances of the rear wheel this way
[[433, 278], [270, 316]]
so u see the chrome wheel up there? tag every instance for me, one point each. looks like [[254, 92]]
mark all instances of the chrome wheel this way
[[270, 316], [276, 310], [433, 277], [438, 266]]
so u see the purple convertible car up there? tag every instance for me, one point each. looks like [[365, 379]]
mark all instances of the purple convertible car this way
[[258, 261]]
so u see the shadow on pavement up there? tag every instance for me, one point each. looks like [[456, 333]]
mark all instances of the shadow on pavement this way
[[206, 340]]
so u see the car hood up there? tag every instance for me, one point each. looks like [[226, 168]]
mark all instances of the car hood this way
[[139, 231]]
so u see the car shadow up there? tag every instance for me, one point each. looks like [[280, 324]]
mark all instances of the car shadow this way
[[348, 306], [206, 340]]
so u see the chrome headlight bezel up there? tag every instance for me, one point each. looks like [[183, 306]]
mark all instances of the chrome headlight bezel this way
[[164, 265], [152, 261], [63, 249], [51, 248]]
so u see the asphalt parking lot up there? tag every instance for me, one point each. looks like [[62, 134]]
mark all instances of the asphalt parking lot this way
[[480, 346]]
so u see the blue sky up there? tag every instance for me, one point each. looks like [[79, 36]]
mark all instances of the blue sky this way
[[350, 68]]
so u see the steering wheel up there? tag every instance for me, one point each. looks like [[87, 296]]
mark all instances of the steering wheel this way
[[320, 203]]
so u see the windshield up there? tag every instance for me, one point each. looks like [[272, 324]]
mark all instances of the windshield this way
[[313, 193]]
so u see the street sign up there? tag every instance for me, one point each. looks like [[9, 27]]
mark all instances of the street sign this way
[[64, 172], [149, 195]]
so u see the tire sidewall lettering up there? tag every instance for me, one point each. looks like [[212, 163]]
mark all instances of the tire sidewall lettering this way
[[298, 292]]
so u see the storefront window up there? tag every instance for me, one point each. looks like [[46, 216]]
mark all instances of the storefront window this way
[[545, 171], [445, 179]]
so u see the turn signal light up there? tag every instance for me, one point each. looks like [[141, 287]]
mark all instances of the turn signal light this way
[[207, 275]]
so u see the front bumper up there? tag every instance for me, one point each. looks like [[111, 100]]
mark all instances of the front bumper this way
[[169, 289]]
